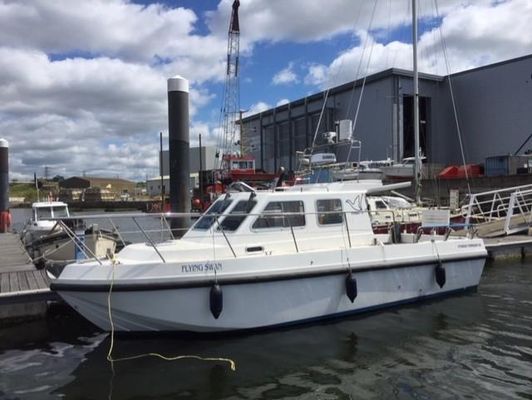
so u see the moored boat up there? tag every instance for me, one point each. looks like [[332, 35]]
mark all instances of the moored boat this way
[[401, 170], [43, 221], [60, 248], [259, 259]]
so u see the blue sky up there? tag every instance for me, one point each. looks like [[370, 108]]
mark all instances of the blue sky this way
[[83, 83]]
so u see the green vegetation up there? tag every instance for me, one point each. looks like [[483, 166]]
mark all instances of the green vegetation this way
[[26, 190]]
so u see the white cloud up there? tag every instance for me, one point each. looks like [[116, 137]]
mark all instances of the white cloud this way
[[257, 108], [94, 73], [495, 32], [285, 76], [282, 102], [308, 21], [481, 34], [83, 84], [113, 27], [317, 75]]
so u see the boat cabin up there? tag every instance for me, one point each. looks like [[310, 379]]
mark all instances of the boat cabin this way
[[49, 210], [302, 216]]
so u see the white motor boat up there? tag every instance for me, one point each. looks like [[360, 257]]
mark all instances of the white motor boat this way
[[259, 259], [402, 170], [60, 248], [361, 170], [42, 220]]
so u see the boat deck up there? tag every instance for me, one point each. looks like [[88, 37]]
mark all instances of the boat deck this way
[[20, 281]]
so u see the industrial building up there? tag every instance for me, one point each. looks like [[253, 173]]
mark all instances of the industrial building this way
[[153, 185], [95, 189], [493, 107], [115, 185]]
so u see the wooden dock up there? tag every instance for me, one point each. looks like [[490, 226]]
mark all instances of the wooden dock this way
[[512, 246], [20, 281]]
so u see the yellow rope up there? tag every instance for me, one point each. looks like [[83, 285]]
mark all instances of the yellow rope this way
[[110, 358]]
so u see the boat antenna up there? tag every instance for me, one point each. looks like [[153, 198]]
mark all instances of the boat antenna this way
[[417, 166]]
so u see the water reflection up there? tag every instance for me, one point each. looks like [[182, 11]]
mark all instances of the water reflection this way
[[278, 364], [473, 346]]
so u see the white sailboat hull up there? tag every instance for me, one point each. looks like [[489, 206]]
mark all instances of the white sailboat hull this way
[[399, 172]]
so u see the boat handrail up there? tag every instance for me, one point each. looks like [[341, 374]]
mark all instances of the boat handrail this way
[[224, 235], [149, 240], [240, 187]]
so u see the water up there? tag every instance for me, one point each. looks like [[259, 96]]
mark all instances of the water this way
[[476, 346], [156, 229]]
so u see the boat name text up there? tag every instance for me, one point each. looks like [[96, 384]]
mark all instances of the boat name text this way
[[201, 267]]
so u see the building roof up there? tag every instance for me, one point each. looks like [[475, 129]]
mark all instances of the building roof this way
[[346, 86], [374, 77], [494, 65]]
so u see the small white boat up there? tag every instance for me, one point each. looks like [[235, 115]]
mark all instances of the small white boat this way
[[264, 259], [402, 170], [42, 220], [60, 248], [361, 170], [386, 210], [47, 241]]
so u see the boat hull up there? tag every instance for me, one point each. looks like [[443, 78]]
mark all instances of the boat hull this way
[[263, 304]]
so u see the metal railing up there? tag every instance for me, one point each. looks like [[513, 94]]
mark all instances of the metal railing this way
[[511, 207], [154, 237]]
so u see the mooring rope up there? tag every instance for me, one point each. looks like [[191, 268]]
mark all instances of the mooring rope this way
[[112, 360]]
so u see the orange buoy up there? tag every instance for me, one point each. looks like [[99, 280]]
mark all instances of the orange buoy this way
[[5, 221]]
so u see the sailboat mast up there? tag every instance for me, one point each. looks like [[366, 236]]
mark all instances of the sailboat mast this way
[[417, 165]]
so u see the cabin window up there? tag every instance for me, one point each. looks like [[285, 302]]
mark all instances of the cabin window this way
[[206, 221], [237, 215], [44, 213], [60, 212], [329, 212], [380, 205], [281, 214]]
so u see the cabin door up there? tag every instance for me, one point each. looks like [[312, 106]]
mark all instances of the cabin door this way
[[408, 126]]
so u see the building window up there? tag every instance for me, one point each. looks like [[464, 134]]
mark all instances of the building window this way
[[329, 212], [281, 214]]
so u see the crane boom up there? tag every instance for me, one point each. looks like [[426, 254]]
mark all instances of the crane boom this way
[[231, 102]]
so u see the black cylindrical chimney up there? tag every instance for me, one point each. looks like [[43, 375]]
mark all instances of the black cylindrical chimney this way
[[179, 150], [5, 217]]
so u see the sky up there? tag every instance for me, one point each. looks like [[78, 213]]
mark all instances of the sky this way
[[83, 82]]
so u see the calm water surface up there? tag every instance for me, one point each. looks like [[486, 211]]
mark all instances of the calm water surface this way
[[476, 346], [156, 229]]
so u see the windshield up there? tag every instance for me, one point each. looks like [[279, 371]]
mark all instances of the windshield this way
[[237, 215], [60, 212], [397, 202], [206, 221]]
